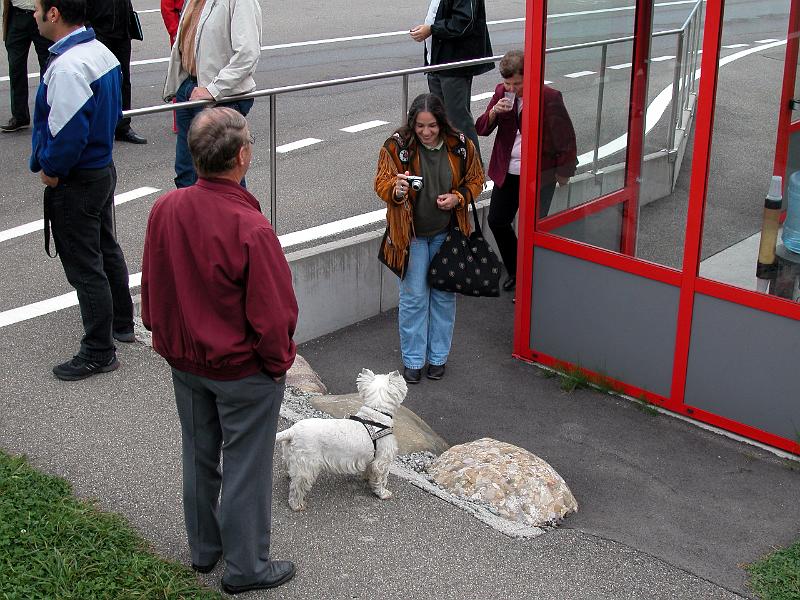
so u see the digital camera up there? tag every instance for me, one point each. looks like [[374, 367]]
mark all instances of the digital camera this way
[[415, 181]]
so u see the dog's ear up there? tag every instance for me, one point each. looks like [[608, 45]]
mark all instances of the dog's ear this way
[[364, 379], [394, 374]]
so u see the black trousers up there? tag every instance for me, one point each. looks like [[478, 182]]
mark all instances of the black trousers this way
[[503, 208], [456, 92], [22, 32], [121, 48], [80, 209]]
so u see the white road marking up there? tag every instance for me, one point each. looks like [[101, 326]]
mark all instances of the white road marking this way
[[483, 96], [621, 66], [661, 58], [579, 74], [298, 144], [767, 41], [363, 126], [149, 10], [736, 46], [547, 82], [21, 230]]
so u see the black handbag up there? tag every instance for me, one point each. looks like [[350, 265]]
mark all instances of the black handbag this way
[[135, 26], [465, 265]]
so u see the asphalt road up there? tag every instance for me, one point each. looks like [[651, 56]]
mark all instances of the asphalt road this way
[[332, 179]]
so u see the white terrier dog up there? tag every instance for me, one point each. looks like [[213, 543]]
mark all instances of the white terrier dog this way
[[363, 443]]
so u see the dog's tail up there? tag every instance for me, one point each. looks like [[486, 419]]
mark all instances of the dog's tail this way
[[283, 439]]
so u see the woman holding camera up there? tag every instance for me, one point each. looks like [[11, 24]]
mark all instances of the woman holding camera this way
[[427, 172]]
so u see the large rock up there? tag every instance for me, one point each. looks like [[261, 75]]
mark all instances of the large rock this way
[[303, 378], [413, 434], [514, 483]]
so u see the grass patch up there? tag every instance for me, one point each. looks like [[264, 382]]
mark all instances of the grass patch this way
[[573, 379], [53, 545], [777, 576]]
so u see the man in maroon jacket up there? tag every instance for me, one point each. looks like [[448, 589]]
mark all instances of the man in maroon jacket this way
[[217, 295], [559, 154]]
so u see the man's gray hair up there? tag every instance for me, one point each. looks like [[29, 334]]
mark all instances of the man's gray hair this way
[[215, 138]]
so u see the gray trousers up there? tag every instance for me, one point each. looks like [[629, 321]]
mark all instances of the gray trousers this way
[[240, 418], [456, 93]]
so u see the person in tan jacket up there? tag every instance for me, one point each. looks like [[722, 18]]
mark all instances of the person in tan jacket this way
[[214, 56]]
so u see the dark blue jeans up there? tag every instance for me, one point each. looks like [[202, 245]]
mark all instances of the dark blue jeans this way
[[184, 168], [81, 215]]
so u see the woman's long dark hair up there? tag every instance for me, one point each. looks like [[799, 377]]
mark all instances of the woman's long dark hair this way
[[431, 104]]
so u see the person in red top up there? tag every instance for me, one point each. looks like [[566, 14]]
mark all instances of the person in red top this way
[[559, 154], [171, 13], [217, 295]]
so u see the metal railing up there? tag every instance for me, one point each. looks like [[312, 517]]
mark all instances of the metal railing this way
[[683, 87]]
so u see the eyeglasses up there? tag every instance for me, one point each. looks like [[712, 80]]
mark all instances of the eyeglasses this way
[[251, 138]]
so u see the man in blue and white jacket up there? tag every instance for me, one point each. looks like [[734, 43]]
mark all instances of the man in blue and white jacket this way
[[78, 105]]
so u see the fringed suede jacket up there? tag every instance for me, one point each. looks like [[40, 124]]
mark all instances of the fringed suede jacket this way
[[397, 156]]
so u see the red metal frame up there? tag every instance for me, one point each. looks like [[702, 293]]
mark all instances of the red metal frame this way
[[704, 127], [536, 233], [785, 124], [643, 29]]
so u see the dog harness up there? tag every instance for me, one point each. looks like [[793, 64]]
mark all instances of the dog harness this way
[[375, 430]]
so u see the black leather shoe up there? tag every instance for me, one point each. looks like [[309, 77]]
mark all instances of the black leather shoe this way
[[412, 375], [278, 573], [129, 136], [205, 568], [435, 372], [510, 283], [14, 124]]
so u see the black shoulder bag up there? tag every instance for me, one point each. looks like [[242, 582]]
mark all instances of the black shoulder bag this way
[[465, 265]]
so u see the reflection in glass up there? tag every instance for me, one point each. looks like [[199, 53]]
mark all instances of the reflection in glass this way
[[743, 145]]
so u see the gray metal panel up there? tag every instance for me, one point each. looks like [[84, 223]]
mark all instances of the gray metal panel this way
[[743, 365], [608, 321], [603, 229]]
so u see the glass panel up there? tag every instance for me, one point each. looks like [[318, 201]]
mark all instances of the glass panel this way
[[596, 81], [743, 148], [588, 64], [668, 143]]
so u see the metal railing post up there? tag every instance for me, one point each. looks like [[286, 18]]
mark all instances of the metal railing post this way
[[404, 103], [676, 83], [273, 162], [697, 36], [599, 119]]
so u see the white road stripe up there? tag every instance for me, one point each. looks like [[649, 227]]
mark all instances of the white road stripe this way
[[661, 58], [298, 144], [621, 66], [149, 10], [363, 126], [483, 96], [767, 41], [21, 230], [736, 46], [547, 82], [579, 74]]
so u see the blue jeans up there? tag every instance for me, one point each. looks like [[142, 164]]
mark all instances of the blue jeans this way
[[426, 315], [184, 168]]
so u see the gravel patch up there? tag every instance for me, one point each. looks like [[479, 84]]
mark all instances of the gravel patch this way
[[414, 469]]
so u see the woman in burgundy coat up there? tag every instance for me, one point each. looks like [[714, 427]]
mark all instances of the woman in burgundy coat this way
[[559, 154]]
